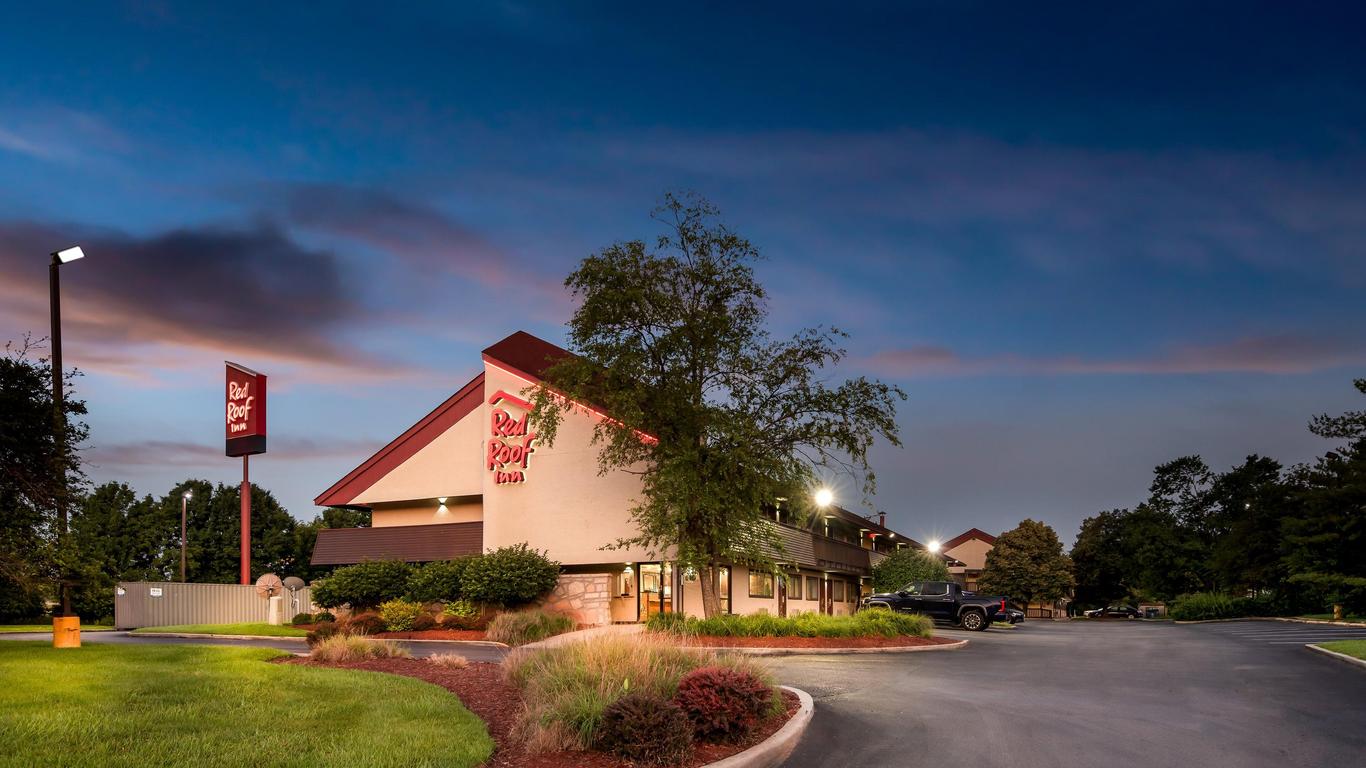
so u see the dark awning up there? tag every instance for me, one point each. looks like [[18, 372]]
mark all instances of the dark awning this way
[[410, 543]]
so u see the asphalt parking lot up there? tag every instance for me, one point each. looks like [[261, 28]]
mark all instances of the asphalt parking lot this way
[[1088, 694]]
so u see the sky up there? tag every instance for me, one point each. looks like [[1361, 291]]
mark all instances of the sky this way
[[1084, 239]]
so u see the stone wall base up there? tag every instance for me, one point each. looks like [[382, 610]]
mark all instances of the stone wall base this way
[[585, 596]]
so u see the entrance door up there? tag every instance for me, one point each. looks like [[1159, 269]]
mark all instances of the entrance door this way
[[656, 589], [782, 596], [827, 604]]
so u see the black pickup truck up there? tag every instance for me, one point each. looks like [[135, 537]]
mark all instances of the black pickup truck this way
[[943, 601]]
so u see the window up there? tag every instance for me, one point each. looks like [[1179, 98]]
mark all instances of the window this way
[[813, 588], [760, 584], [794, 587], [853, 594], [936, 588], [837, 591], [723, 577]]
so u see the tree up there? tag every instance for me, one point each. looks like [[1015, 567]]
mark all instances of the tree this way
[[1100, 567], [1027, 563], [716, 418], [214, 524], [306, 536], [121, 538], [904, 566], [34, 477]]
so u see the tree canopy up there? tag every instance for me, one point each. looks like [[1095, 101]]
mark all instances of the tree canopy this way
[[1027, 564], [903, 566], [716, 417]]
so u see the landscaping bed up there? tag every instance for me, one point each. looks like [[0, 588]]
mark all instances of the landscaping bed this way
[[485, 691], [901, 641]]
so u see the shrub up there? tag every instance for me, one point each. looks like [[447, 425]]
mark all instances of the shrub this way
[[423, 622], [567, 689], [872, 622], [509, 576], [647, 729], [364, 624], [462, 614], [673, 623], [439, 581], [321, 633], [522, 627], [363, 585], [1202, 606], [302, 618], [345, 648], [724, 704], [324, 616], [398, 615], [449, 660], [904, 566]]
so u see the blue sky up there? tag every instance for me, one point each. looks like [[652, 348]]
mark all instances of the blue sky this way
[[1084, 240]]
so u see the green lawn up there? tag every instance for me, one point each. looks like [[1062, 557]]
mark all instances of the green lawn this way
[[184, 705], [266, 630], [4, 628], [1356, 648], [1329, 617]]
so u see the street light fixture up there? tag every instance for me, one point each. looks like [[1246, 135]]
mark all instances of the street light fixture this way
[[59, 258], [933, 546], [824, 497], [184, 503]]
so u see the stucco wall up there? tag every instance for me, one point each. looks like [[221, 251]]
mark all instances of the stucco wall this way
[[585, 596], [426, 514], [448, 466], [973, 553], [564, 506]]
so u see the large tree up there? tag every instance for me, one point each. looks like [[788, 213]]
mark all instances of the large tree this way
[[1101, 569], [1026, 563], [38, 471], [716, 417]]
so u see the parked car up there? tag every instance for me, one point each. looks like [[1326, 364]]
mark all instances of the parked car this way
[[1114, 612], [943, 601], [1016, 615]]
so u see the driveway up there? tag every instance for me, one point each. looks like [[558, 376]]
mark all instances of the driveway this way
[[418, 649], [1088, 694]]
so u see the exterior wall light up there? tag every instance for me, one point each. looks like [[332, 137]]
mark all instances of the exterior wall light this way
[[824, 497], [933, 546]]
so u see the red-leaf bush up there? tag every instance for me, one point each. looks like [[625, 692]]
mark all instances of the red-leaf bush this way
[[724, 704], [424, 621], [365, 624], [321, 633], [646, 729]]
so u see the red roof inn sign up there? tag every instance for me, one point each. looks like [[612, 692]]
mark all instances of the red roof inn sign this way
[[510, 444], [246, 411]]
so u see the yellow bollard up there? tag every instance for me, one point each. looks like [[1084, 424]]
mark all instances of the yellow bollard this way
[[66, 631]]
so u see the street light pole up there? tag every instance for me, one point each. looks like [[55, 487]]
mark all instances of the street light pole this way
[[184, 502], [58, 412]]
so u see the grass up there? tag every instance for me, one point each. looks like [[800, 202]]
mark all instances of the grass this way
[[522, 627], [873, 622], [567, 689], [1329, 617], [341, 648], [8, 628], [1353, 648], [263, 630], [186, 705], [1002, 625]]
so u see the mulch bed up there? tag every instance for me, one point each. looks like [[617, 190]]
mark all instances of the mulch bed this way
[[426, 634], [482, 689], [709, 641]]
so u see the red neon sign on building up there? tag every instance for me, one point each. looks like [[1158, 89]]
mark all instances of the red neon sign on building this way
[[511, 443]]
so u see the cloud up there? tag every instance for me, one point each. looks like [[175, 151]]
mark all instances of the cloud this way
[[172, 453], [61, 135], [251, 292], [1285, 354]]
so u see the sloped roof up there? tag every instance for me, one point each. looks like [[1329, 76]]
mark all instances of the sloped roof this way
[[971, 533], [526, 354], [409, 543]]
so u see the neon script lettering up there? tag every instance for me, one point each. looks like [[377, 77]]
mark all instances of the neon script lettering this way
[[239, 406], [507, 455]]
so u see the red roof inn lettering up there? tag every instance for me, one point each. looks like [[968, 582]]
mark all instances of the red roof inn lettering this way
[[245, 421], [510, 442]]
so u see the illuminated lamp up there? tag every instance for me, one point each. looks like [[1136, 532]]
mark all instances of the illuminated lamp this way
[[933, 546], [824, 497], [70, 254]]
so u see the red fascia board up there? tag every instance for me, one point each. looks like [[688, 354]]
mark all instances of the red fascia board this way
[[971, 533], [405, 446]]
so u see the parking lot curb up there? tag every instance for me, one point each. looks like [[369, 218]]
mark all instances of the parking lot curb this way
[[1339, 656], [1286, 619], [833, 651], [776, 748]]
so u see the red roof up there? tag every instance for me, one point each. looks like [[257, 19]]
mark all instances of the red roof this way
[[971, 533], [409, 543], [526, 354]]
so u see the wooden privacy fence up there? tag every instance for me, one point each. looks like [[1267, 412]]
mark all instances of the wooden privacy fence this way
[[162, 603]]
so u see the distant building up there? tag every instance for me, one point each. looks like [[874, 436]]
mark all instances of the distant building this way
[[969, 551]]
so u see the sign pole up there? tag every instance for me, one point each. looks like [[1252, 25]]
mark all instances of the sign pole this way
[[246, 522]]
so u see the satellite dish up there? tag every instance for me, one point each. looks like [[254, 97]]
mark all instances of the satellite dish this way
[[294, 583], [269, 585]]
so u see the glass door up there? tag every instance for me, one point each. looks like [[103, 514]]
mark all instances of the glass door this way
[[656, 589]]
